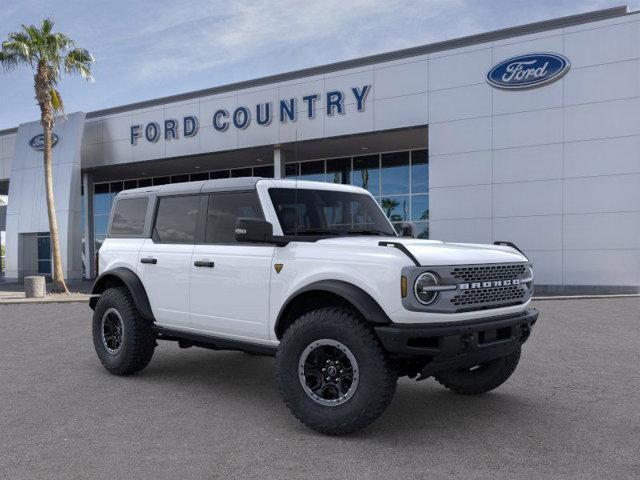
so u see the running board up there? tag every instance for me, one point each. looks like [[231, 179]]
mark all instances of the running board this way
[[211, 342]]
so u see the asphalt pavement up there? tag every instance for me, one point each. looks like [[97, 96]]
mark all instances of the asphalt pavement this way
[[571, 410]]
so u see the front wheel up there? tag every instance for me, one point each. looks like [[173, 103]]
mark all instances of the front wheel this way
[[333, 373], [480, 378]]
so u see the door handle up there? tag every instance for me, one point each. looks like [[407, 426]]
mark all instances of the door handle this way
[[203, 263], [149, 260]]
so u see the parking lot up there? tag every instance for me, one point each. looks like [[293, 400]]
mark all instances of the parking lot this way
[[569, 411]]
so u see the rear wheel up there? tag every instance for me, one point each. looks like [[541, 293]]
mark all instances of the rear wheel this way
[[333, 374], [123, 340], [480, 378]]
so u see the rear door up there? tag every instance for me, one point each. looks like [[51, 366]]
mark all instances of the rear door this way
[[164, 263], [230, 280]]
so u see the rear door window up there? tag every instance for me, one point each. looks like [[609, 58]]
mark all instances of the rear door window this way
[[223, 211], [129, 216], [176, 219]]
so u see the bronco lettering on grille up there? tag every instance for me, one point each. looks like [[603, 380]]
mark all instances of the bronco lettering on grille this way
[[493, 283]]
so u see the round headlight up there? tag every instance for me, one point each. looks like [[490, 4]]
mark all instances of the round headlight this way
[[422, 289]]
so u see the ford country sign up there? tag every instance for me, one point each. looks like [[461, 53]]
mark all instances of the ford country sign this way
[[37, 142], [528, 71]]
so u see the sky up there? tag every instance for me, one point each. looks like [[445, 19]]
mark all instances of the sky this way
[[149, 49]]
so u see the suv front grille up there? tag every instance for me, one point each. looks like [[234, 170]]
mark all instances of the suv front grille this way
[[482, 273], [491, 295]]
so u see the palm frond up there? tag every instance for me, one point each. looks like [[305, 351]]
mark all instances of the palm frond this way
[[56, 101], [79, 60]]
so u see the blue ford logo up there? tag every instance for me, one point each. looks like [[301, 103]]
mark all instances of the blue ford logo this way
[[528, 71], [37, 142]]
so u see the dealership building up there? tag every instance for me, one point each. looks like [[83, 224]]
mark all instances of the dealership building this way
[[529, 134]]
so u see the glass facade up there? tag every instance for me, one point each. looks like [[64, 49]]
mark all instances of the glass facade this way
[[398, 180]]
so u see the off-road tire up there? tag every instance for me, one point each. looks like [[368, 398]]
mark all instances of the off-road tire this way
[[482, 379], [138, 339], [377, 377]]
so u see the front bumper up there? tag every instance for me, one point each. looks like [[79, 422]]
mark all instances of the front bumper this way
[[452, 345]]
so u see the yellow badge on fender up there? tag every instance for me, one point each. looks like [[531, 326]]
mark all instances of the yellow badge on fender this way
[[278, 267]]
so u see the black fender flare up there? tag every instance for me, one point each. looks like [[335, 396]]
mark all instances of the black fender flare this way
[[364, 303], [133, 284]]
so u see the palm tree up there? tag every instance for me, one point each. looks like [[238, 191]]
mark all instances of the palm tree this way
[[47, 53]]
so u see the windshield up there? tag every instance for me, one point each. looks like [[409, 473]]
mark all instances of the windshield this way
[[328, 212]]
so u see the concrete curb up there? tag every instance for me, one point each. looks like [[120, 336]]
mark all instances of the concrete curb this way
[[586, 297], [47, 299]]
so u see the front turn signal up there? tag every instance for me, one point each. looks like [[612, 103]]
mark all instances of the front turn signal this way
[[403, 286]]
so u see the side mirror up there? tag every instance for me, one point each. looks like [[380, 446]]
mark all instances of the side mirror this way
[[254, 230], [408, 230]]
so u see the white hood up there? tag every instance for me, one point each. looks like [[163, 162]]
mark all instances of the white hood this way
[[434, 252]]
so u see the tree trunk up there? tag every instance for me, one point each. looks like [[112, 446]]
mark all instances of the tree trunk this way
[[42, 85], [59, 285]]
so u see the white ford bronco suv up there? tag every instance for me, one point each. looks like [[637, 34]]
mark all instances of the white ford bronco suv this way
[[314, 274]]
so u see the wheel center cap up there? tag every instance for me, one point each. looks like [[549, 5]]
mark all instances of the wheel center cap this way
[[332, 370]]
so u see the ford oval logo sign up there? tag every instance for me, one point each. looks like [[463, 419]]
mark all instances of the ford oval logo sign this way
[[37, 142], [528, 71]]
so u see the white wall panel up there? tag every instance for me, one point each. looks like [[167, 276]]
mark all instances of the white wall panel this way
[[547, 266], [117, 152], [117, 127], [212, 140], [603, 45], [542, 232], [527, 198], [548, 42], [460, 103], [460, 136], [599, 83], [527, 128], [602, 267], [512, 101], [304, 128], [345, 82], [616, 118], [460, 69], [540, 162], [472, 168], [92, 132], [595, 231], [602, 157], [352, 121], [460, 202], [402, 79], [398, 112], [612, 193], [473, 230]]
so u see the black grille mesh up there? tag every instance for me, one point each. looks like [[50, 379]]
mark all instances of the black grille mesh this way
[[487, 273], [490, 295]]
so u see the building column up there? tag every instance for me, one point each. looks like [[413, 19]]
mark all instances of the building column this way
[[89, 244], [278, 162]]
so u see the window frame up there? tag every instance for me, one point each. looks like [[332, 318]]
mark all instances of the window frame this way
[[156, 210], [202, 239]]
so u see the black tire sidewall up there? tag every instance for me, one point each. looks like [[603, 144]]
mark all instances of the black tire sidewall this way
[[372, 392], [135, 334]]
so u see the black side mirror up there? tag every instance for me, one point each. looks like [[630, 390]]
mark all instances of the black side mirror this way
[[254, 230], [408, 230]]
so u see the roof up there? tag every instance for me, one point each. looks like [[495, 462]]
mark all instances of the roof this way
[[501, 34], [203, 186]]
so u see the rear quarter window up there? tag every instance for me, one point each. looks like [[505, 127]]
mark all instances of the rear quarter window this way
[[129, 216]]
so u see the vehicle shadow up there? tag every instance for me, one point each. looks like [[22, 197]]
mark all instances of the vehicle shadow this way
[[417, 408]]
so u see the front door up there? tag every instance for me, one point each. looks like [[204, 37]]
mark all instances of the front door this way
[[230, 280], [164, 263]]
